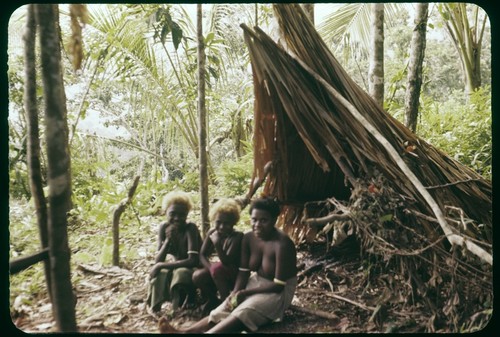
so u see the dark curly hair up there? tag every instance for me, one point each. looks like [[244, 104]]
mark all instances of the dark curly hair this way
[[266, 204]]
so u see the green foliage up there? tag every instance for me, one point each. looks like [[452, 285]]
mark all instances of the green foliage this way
[[94, 191], [461, 128], [106, 257], [233, 176], [190, 181], [24, 240], [30, 281], [23, 229]]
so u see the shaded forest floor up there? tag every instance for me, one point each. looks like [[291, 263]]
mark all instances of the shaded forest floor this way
[[112, 300], [337, 293]]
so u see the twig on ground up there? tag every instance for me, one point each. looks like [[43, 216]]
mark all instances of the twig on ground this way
[[318, 313]]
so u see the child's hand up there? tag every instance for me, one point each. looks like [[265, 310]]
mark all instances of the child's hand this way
[[155, 270], [215, 237]]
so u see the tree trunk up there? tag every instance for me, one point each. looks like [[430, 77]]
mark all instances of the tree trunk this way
[[417, 53], [376, 71], [59, 180], [34, 166], [202, 124], [467, 38]]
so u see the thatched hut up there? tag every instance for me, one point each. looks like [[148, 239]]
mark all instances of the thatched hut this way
[[332, 156]]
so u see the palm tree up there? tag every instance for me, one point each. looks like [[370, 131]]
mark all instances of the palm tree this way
[[170, 71], [465, 25], [346, 30], [160, 91]]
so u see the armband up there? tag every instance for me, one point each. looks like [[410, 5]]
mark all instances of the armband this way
[[192, 252], [279, 282], [243, 269]]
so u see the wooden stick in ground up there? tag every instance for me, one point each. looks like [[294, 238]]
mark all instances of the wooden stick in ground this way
[[341, 298], [116, 221], [245, 200], [318, 313]]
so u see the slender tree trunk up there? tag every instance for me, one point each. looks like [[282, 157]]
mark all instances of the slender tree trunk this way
[[64, 111], [417, 53], [238, 135], [467, 38], [376, 71], [30, 107], [59, 179], [309, 10], [202, 124]]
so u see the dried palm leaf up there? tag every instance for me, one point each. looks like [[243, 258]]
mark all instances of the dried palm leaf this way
[[317, 144]]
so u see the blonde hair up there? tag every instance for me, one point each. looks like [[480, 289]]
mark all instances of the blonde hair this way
[[177, 197], [226, 206]]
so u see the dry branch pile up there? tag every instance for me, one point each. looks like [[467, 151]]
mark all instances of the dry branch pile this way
[[338, 159]]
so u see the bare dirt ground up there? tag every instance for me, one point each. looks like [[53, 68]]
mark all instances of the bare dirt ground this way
[[112, 300], [335, 294]]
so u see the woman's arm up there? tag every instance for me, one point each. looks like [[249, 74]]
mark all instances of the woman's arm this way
[[193, 250], [286, 260], [207, 248], [229, 253], [162, 243], [285, 268], [244, 269]]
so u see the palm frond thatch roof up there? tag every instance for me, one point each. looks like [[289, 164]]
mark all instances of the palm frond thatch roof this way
[[319, 129]]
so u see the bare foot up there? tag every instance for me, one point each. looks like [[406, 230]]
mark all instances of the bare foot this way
[[165, 326]]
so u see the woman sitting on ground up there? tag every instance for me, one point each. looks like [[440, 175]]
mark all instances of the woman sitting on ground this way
[[266, 280], [219, 276], [172, 280]]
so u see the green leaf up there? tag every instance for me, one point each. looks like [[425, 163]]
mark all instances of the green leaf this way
[[385, 218], [164, 32], [176, 35], [209, 38]]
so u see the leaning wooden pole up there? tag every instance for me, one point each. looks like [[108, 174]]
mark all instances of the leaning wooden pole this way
[[22, 263]]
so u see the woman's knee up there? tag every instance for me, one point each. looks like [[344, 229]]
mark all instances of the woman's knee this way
[[200, 276], [218, 271]]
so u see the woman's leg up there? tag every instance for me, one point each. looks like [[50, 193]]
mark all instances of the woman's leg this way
[[199, 327], [203, 281], [228, 324], [223, 278]]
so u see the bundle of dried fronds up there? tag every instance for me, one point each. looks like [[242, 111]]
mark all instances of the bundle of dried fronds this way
[[452, 285], [421, 213], [317, 142]]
